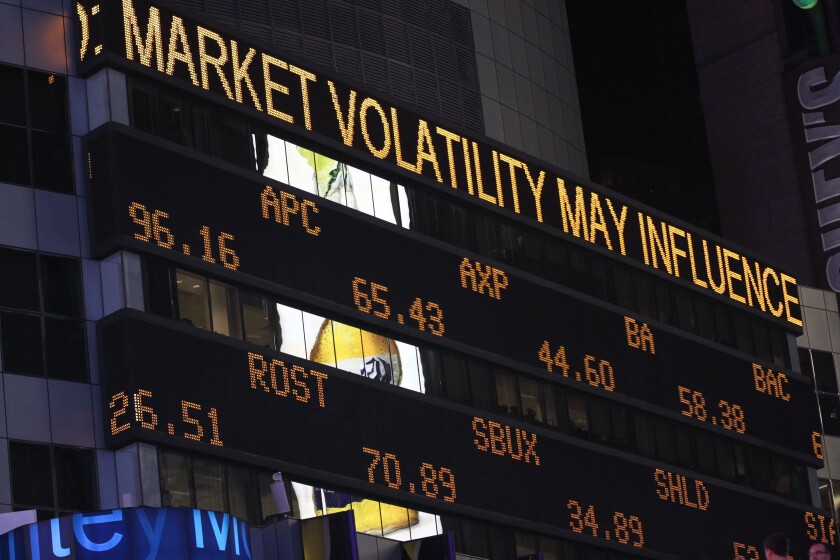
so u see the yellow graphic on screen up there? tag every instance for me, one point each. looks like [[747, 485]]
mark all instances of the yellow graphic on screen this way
[[375, 357]]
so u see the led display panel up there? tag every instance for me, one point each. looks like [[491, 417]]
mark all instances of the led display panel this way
[[228, 398], [314, 107], [280, 239]]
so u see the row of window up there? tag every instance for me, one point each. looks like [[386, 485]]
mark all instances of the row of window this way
[[52, 479], [830, 495], [209, 130], [228, 310], [59, 480], [196, 482], [42, 331], [820, 365], [34, 130]]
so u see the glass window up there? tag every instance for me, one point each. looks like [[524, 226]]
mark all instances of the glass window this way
[[824, 375], [705, 318], [805, 362], [666, 441], [409, 363], [644, 432], [334, 181], [725, 456], [382, 360], [551, 549], [558, 266], [224, 310], [462, 226], [455, 378], [759, 460], [62, 286], [601, 285], [625, 293], [193, 303], [526, 544], [531, 395], [743, 334], [75, 477], [741, 471], [234, 142], [431, 363], [620, 433], [12, 96], [685, 311], [344, 345], [475, 537], [65, 347], [482, 386], [35, 467], [578, 420], [551, 412], [175, 484], [51, 162], [502, 544], [830, 412], [258, 319], [684, 455], [645, 295], [291, 338], [778, 342], [172, 120], [275, 165], [663, 303], [208, 478], [19, 280], [325, 353], [140, 105], [761, 338], [267, 504], [301, 166], [403, 210], [826, 500], [361, 190], [385, 199], [14, 145], [31, 474], [22, 344], [723, 325], [47, 101], [707, 463], [835, 502], [157, 285], [506, 393], [781, 476], [577, 266], [599, 416]]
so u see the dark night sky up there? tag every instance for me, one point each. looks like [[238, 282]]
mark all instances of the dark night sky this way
[[640, 104]]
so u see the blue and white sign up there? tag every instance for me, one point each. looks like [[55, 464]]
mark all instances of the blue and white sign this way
[[131, 534]]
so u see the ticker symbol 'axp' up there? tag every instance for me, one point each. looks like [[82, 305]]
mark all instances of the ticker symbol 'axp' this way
[[482, 278]]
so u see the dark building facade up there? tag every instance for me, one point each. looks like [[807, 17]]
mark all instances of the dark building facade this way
[[768, 104], [244, 239]]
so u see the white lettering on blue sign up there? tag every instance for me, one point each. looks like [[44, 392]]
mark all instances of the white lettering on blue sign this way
[[136, 534]]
